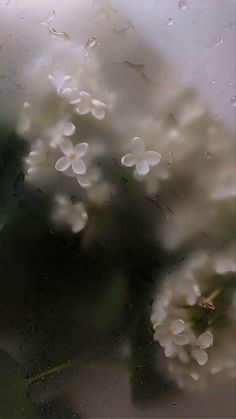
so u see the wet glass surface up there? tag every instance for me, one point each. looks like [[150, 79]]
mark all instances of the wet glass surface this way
[[117, 209]]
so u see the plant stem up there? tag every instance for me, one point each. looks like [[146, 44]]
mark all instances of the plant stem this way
[[48, 372]]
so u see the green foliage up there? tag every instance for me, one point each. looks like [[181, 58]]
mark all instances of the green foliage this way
[[12, 149], [203, 318], [15, 402]]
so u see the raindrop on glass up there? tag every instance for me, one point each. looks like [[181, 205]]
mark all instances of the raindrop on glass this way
[[60, 36], [48, 19], [169, 21], [22, 19], [219, 42], [207, 155], [183, 5], [233, 101], [91, 42]]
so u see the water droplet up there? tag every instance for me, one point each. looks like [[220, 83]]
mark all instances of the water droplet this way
[[233, 101], [183, 5], [219, 42], [60, 36], [169, 21], [22, 19], [91, 42], [46, 20], [213, 81], [207, 155]]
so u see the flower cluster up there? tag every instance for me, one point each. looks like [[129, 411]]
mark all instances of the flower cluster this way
[[189, 315], [174, 146], [87, 137], [75, 107], [82, 100]]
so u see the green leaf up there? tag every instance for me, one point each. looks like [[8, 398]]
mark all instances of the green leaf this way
[[15, 402]]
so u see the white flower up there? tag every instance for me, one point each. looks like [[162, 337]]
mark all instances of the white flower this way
[[192, 292], [167, 335], [173, 350], [160, 305], [72, 157], [39, 159], [140, 158], [25, 123], [204, 341], [73, 214], [64, 85], [85, 104], [62, 129]]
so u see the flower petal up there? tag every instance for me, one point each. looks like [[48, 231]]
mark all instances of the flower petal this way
[[162, 334], [79, 220], [69, 93], [191, 298], [183, 356], [128, 160], [80, 149], [201, 356], [59, 79], [65, 92], [194, 376], [33, 171], [84, 181], [78, 166], [77, 226], [62, 200], [152, 157], [142, 167], [69, 129], [205, 340], [84, 103], [170, 351], [181, 339], [55, 141], [62, 164], [138, 146], [80, 207], [177, 326], [196, 289], [192, 293], [98, 109], [66, 147]]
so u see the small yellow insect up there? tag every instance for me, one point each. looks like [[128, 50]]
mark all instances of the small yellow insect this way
[[207, 302]]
